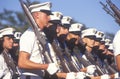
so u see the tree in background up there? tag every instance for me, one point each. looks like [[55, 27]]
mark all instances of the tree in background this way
[[14, 19], [17, 20]]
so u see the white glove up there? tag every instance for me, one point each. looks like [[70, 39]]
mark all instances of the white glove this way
[[70, 75], [80, 75], [91, 69], [52, 68], [116, 75], [105, 76]]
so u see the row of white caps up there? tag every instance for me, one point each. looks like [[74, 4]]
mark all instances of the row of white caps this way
[[66, 20], [46, 6]]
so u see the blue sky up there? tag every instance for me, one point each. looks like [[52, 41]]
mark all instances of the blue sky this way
[[88, 12]]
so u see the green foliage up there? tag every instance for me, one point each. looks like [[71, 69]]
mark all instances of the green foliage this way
[[13, 19]]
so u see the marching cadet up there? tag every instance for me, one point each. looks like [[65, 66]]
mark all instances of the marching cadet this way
[[7, 67], [88, 37], [73, 42], [51, 33], [79, 75], [116, 49], [31, 59], [15, 49]]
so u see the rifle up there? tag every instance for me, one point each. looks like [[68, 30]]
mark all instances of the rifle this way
[[109, 68], [68, 56], [41, 39], [64, 64], [82, 60], [114, 8], [115, 13], [91, 59]]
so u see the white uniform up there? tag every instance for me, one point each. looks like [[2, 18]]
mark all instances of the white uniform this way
[[4, 71], [28, 43], [116, 44]]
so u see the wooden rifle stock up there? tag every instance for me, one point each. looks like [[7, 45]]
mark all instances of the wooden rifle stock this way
[[63, 63], [70, 61], [109, 68], [82, 60]]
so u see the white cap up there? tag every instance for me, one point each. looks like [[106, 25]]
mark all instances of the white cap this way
[[56, 16], [103, 39], [89, 32], [17, 35], [110, 46], [6, 31], [107, 42], [46, 6], [66, 20], [99, 34], [75, 27]]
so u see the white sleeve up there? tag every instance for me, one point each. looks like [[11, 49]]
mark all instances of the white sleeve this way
[[116, 44], [27, 41], [1, 67]]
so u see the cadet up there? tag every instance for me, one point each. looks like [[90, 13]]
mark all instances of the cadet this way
[[31, 60], [51, 33], [15, 49], [116, 46], [7, 67]]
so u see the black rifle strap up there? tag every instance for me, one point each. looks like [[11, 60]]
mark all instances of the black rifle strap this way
[[9, 61]]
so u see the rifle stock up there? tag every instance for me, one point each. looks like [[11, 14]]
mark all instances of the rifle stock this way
[[68, 57], [82, 60], [109, 68], [63, 63]]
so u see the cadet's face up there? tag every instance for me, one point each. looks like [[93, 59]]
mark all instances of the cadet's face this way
[[63, 31], [90, 42], [43, 19], [97, 43], [8, 42], [71, 36], [102, 46]]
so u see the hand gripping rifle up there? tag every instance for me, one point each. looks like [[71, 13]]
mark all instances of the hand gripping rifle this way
[[41, 39], [65, 67], [109, 68], [68, 56], [91, 59]]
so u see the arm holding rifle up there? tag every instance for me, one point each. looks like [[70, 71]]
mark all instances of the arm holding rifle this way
[[30, 57]]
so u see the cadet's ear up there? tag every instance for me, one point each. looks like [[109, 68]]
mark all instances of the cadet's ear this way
[[84, 40], [58, 29]]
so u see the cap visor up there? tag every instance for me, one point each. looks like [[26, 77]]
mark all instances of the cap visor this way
[[48, 12], [55, 21], [91, 37], [66, 26]]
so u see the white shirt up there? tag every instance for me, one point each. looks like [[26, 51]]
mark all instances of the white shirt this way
[[28, 43], [116, 44], [4, 71]]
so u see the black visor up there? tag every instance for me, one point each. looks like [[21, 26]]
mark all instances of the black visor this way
[[47, 12]]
